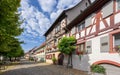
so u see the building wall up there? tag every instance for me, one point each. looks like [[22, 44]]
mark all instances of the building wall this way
[[49, 58], [96, 55], [99, 26], [110, 69], [98, 32], [40, 56]]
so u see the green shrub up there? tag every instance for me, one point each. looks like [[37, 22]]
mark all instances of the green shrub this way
[[98, 69], [31, 59], [54, 59]]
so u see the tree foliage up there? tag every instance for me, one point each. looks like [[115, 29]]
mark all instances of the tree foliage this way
[[9, 21], [10, 27], [15, 49], [67, 45]]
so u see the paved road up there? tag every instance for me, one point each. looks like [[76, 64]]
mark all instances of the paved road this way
[[31, 68]]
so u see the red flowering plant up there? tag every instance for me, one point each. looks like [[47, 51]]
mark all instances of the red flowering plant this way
[[117, 49], [54, 46], [79, 53]]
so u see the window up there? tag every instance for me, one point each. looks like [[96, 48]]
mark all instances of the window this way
[[118, 5], [81, 47], [107, 9], [81, 26], [89, 47], [57, 29], [104, 44], [116, 42], [117, 39], [73, 30]]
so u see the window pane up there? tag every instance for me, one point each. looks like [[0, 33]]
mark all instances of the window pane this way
[[117, 39], [81, 26], [118, 4], [82, 47]]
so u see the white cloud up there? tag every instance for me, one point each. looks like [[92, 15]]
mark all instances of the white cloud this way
[[54, 15], [62, 4], [47, 5], [37, 22], [34, 20]]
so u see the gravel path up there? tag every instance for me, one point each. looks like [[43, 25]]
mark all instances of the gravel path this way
[[31, 68]]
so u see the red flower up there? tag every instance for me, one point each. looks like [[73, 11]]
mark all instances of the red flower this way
[[77, 52]]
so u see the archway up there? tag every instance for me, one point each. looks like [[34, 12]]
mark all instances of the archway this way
[[110, 66], [60, 58]]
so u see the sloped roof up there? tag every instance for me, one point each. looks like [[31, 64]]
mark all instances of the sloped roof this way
[[54, 23], [97, 4], [93, 7], [62, 14]]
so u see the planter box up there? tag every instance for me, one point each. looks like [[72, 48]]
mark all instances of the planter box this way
[[97, 74]]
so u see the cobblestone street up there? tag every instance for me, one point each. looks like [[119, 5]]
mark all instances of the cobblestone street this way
[[31, 68]]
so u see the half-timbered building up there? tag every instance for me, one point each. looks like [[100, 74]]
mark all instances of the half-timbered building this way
[[96, 26]]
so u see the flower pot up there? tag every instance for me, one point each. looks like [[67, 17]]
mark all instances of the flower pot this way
[[97, 74], [54, 46]]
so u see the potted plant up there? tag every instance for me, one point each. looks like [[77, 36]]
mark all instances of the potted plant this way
[[54, 59], [97, 70]]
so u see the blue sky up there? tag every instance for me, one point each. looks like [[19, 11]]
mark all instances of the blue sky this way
[[38, 16]]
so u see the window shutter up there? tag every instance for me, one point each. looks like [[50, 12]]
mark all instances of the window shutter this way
[[89, 47], [104, 44]]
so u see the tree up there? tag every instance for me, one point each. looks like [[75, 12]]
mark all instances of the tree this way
[[15, 49], [67, 46], [9, 23]]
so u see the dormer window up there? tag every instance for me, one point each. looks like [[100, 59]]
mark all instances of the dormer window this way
[[81, 26]]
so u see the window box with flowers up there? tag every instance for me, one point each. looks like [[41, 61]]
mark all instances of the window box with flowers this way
[[79, 53], [47, 48], [117, 48], [54, 46], [80, 50], [50, 48]]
